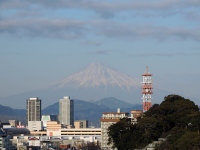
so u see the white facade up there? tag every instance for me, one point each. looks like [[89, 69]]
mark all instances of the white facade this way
[[66, 111], [34, 142], [34, 125], [107, 120]]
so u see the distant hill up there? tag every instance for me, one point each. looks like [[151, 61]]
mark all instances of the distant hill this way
[[83, 110], [93, 110], [8, 113], [113, 103], [11, 111]]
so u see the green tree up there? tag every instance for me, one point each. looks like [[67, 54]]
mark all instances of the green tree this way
[[176, 118], [120, 134]]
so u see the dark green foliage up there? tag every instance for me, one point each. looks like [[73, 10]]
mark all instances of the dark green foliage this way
[[189, 140], [121, 133], [176, 118]]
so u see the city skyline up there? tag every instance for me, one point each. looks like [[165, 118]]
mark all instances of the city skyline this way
[[44, 42]]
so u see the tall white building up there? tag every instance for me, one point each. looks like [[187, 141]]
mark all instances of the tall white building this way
[[33, 107], [66, 111]]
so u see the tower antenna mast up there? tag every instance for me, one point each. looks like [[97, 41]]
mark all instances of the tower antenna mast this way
[[146, 90]]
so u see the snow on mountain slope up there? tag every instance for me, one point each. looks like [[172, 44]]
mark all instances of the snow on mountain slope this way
[[99, 75]]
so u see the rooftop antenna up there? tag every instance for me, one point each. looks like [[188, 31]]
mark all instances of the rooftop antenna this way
[[146, 70]]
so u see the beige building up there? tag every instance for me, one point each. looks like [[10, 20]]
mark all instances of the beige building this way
[[107, 120], [81, 131], [53, 128], [80, 124]]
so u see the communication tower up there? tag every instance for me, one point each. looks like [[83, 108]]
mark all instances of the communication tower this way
[[146, 90]]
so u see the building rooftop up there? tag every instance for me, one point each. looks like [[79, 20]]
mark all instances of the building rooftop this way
[[115, 113], [16, 131]]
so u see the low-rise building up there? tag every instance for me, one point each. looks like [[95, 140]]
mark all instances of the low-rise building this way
[[34, 125], [5, 143], [53, 128], [136, 113], [14, 123], [46, 118], [81, 124]]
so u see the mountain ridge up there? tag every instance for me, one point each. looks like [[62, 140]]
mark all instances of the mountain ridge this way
[[83, 110], [112, 103]]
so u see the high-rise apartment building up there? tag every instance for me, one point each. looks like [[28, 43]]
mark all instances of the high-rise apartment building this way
[[66, 111], [107, 120], [33, 107]]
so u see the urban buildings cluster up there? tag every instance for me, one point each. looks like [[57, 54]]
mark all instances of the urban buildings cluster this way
[[62, 131]]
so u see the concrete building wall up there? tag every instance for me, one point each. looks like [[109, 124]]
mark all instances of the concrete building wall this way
[[53, 128], [33, 107], [107, 120], [136, 113], [66, 111], [46, 118], [34, 125], [81, 124]]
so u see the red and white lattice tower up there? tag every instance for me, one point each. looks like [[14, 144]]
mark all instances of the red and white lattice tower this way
[[146, 90]]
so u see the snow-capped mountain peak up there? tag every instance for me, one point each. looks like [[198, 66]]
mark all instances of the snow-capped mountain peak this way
[[96, 75]]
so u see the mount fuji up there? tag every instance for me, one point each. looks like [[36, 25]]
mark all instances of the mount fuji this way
[[95, 82], [96, 75]]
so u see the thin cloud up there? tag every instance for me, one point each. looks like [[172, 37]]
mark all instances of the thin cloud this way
[[118, 5], [103, 7], [14, 4], [43, 28], [102, 52], [193, 15], [71, 29], [94, 43], [132, 31], [28, 13], [172, 54]]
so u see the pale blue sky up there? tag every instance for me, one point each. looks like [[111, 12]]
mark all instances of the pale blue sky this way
[[44, 41]]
